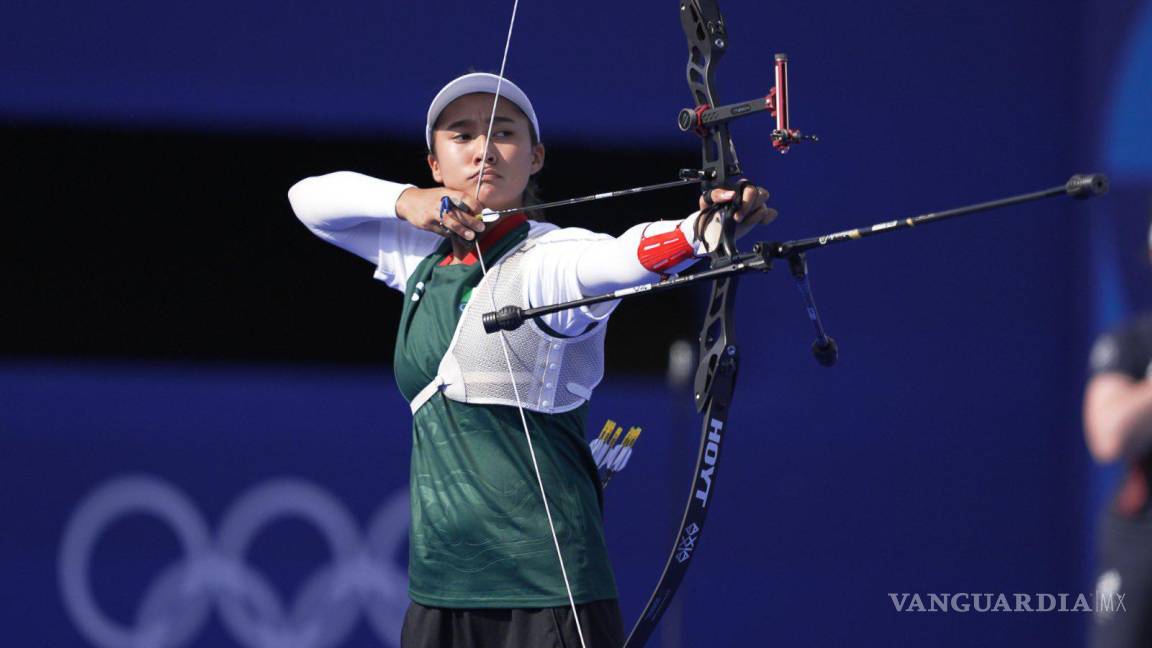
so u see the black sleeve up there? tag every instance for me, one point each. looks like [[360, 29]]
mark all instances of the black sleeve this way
[[1126, 350]]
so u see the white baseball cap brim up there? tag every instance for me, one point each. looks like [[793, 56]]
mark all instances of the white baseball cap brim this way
[[473, 83]]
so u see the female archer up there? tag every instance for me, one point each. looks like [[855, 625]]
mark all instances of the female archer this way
[[507, 544]]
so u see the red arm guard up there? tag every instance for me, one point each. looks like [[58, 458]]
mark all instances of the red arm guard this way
[[659, 252]]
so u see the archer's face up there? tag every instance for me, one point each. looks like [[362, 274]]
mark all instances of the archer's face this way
[[458, 140]]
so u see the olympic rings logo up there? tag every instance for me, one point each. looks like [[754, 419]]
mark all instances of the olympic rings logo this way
[[360, 576]]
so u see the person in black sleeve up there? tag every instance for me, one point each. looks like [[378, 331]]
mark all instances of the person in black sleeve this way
[[1118, 427]]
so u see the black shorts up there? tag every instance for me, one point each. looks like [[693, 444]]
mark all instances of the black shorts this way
[[432, 627]]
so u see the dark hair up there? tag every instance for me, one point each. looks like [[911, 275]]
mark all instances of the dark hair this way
[[531, 195]]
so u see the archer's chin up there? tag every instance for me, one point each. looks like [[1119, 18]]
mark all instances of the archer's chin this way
[[494, 193]]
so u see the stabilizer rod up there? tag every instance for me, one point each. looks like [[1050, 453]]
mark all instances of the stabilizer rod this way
[[509, 318]]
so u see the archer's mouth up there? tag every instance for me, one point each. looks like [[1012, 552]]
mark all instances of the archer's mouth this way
[[488, 176]]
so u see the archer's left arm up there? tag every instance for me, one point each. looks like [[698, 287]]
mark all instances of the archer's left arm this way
[[649, 251], [575, 263]]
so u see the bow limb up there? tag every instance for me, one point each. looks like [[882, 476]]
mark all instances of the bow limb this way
[[716, 374]]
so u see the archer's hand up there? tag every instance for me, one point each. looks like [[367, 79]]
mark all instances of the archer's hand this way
[[752, 212], [421, 208]]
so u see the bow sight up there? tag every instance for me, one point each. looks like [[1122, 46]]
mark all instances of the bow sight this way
[[703, 118]]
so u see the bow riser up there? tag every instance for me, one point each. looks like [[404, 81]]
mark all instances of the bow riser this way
[[707, 41]]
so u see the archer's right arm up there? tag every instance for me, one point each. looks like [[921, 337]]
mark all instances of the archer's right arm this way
[[359, 213], [346, 209]]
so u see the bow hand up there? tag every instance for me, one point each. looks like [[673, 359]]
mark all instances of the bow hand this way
[[750, 209]]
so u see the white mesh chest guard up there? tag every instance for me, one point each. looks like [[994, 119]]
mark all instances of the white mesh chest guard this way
[[552, 374]]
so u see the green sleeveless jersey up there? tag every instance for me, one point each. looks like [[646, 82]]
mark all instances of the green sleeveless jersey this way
[[479, 537]]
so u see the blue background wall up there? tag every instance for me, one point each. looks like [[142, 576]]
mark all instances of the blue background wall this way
[[943, 454]]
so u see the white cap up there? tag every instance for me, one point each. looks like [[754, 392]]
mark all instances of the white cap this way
[[478, 82]]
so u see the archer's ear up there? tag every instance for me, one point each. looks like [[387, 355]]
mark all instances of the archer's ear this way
[[434, 165], [537, 158]]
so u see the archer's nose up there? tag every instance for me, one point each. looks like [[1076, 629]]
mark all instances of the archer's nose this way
[[483, 152]]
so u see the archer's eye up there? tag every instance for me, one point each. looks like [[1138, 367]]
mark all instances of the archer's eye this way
[[461, 137]]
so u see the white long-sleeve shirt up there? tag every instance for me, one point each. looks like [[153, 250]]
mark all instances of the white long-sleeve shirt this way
[[358, 213]]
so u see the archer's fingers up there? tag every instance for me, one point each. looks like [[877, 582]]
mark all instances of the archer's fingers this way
[[462, 224], [468, 212], [449, 227], [718, 195], [753, 200], [762, 216]]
